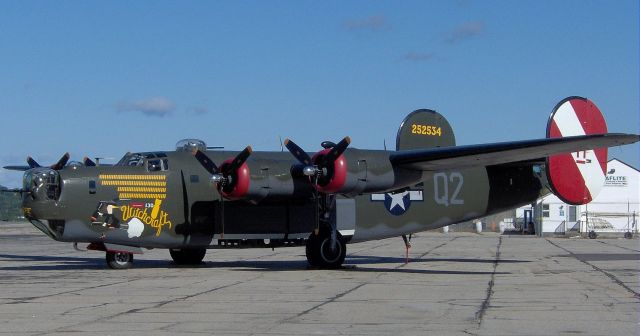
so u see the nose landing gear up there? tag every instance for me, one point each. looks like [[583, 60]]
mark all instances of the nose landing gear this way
[[119, 260]]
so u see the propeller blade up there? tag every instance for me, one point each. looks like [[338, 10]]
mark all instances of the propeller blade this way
[[338, 149], [32, 163], [298, 152], [61, 163], [238, 161], [206, 162], [88, 162]]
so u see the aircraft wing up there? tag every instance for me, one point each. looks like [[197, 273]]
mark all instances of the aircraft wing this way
[[457, 157], [18, 168]]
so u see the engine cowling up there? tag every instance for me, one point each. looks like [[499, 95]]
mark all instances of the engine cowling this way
[[239, 181], [336, 174]]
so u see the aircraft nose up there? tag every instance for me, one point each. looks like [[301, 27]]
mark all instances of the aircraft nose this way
[[42, 184]]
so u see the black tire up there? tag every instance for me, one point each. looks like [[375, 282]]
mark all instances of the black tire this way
[[320, 254], [593, 235], [187, 256], [628, 235], [119, 260]]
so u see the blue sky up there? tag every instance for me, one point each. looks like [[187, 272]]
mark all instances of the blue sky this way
[[103, 78]]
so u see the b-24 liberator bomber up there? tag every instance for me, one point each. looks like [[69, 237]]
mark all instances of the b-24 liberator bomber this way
[[194, 198]]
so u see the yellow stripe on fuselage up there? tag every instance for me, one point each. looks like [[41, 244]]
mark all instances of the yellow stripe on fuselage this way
[[131, 177], [141, 196], [122, 183], [142, 189]]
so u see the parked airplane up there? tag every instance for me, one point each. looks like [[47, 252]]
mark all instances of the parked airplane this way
[[193, 198]]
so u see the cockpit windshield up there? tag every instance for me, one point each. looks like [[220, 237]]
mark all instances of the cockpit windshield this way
[[138, 159]]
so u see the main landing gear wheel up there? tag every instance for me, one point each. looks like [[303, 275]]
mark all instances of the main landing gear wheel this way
[[119, 260], [319, 251], [187, 256]]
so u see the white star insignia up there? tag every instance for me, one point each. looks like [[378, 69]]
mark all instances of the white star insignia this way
[[397, 200]]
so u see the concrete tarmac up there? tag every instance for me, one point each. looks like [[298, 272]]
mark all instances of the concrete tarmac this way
[[454, 284]]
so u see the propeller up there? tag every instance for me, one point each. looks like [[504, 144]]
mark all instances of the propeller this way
[[227, 175], [58, 165], [34, 164], [322, 166], [88, 162]]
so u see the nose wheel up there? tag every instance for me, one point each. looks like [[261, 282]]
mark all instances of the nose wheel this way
[[119, 260]]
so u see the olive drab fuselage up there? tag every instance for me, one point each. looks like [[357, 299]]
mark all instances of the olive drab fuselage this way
[[167, 200]]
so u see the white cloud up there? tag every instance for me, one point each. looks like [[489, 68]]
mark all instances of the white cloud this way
[[153, 107]]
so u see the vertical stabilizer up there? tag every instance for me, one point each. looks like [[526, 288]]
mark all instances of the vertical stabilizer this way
[[424, 129], [576, 178]]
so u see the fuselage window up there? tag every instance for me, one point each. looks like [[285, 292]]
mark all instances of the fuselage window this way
[[92, 186]]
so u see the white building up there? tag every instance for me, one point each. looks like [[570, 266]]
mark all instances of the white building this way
[[615, 210]]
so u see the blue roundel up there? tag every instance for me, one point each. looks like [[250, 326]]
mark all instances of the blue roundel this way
[[397, 204]]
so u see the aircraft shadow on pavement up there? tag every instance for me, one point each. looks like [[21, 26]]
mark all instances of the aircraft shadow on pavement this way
[[364, 259], [352, 263], [57, 263]]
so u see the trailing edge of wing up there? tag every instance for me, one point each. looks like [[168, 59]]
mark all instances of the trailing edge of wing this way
[[503, 152]]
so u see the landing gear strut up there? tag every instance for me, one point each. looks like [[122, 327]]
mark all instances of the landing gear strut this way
[[326, 247], [119, 260]]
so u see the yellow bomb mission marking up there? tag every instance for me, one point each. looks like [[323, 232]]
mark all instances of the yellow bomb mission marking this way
[[156, 219], [132, 186]]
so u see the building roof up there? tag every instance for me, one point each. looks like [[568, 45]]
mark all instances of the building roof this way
[[624, 163]]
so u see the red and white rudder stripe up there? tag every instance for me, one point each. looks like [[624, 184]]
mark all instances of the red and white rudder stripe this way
[[576, 178]]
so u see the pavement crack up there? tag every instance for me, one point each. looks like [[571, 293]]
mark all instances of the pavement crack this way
[[620, 247], [613, 278], [71, 311], [75, 291], [486, 303], [333, 299], [69, 328]]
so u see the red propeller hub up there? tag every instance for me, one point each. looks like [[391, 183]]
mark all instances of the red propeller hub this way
[[240, 179], [336, 173]]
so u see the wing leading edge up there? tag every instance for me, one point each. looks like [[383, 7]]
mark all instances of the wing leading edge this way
[[458, 157]]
